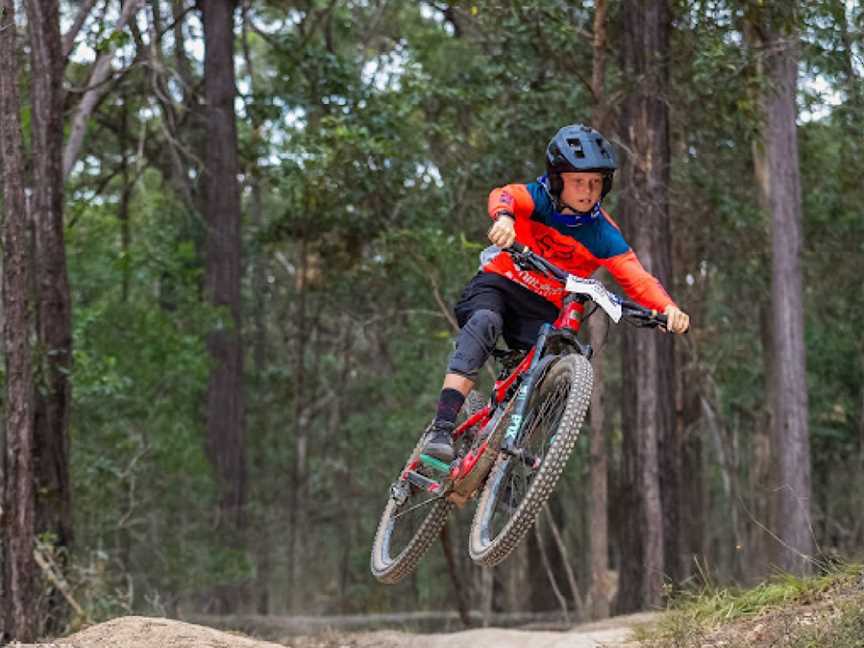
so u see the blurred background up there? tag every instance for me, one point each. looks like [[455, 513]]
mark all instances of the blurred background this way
[[242, 272]]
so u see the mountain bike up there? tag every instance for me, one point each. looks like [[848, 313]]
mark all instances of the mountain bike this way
[[510, 451]]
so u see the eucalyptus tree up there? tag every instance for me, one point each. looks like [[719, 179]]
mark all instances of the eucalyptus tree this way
[[774, 32], [650, 472], [598, 329], [226, 433], [18, 470], [52, 392]]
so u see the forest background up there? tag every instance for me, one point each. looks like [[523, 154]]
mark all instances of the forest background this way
[[233, 234]]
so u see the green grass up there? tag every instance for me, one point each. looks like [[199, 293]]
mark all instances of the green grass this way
[[693, 615]]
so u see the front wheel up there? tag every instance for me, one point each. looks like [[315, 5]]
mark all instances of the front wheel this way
[[518, 486]]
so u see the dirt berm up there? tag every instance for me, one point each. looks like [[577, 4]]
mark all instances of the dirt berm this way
[[151, 632]]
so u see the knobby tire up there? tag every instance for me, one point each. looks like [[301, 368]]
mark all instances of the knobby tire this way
[[391, 570], [488, 547], [388, 569]]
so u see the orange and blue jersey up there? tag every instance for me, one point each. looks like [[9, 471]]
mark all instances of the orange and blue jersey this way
[[578, 244]]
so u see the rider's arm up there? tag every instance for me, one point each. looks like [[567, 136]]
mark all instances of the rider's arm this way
[[639, 284], [512, 199], [620, 260]]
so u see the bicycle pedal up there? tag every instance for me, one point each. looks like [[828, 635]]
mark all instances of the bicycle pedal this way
[[421, 481], [434, 464]]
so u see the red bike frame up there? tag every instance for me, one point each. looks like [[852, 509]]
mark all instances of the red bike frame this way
[[569, 318]]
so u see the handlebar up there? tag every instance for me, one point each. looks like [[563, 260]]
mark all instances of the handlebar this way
[[524, 253], [639, 315]]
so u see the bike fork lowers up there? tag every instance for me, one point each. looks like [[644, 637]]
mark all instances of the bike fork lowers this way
[[512, 435]]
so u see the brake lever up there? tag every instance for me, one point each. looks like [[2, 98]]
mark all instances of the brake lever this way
[[525, 260], [641, 318], [522, 260]]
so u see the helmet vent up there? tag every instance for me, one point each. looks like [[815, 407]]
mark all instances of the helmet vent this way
[[576, 147], [602, 148]]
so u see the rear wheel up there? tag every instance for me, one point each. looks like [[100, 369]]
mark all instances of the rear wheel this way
[[518, 486], [410, 523]]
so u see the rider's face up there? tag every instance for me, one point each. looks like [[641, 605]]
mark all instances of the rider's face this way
[[581, 190]]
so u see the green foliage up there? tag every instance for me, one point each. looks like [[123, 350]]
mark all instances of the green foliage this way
[[139, 376]]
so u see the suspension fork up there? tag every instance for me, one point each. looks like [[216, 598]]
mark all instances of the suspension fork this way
[[522, 396]]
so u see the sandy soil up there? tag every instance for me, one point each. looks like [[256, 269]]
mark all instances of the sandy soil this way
[[146, 632], [153, 632]]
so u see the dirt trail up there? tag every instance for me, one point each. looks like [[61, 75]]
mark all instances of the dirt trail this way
[[612, 633], [149, 632]]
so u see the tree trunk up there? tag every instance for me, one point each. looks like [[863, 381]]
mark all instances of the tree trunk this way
[[264, 541], [693, 500], [486, 589], [762, 477], [459, 589], [53, 310], [17, 507], [297, 515], [777, 38], [651, 471], [598, 327], [225, 402]]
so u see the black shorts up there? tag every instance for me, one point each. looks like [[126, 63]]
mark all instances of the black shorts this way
[[523, 311]]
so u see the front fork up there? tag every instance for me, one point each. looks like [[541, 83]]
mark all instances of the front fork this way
[[512, 435], [564, 338]]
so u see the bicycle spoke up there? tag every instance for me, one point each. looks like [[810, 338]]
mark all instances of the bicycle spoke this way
[[538, 433], [431, 500], [514, 493]]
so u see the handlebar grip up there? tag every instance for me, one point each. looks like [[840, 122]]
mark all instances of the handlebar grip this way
[[664, 322]]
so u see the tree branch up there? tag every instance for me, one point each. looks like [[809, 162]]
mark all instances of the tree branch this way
[[550, 573], [96, 90], [69, 37], [578, 601]]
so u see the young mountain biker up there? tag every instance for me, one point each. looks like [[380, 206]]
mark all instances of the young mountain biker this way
[[559, 216]]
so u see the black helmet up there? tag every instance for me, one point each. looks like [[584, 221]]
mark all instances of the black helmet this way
[[579, 148]]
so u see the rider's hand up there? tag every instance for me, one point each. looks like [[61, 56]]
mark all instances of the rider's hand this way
[[677, 320], [503, 232]]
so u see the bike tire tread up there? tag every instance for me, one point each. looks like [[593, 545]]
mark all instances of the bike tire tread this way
[[500, 547]]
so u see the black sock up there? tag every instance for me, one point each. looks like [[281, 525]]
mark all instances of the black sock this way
[[449, 404]]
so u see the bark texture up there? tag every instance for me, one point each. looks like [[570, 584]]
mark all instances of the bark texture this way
[[777, 38], [53, 308], [17, 507], [649, 475], [225, 403], [598, 328]]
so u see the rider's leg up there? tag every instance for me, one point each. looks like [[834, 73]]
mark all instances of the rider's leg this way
[[473, 345], [458, 382]]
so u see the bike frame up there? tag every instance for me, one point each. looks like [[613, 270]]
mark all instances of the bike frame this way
[[515, 388]]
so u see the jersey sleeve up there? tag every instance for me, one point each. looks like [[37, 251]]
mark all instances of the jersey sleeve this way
[[514, 198], [640, 285]]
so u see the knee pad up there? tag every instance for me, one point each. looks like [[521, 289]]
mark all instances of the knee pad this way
[[475, 342]]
